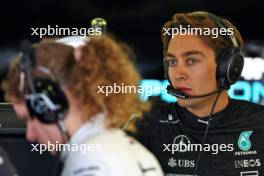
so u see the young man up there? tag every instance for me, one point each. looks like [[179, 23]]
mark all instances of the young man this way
[[54, 87], [205, 132]]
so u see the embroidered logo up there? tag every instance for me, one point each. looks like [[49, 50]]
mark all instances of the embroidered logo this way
[[243, 141]]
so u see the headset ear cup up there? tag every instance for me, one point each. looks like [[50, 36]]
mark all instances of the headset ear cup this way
[[221, 70], [49, 103], [235, 67], [230, 64]]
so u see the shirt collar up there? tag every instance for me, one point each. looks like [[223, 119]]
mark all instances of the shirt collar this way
[[89, 129], [199, 124], [86, 132]]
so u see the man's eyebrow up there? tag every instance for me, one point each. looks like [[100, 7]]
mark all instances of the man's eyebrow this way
[[185, 54], [24, 117], [188, 53], [170, 55]]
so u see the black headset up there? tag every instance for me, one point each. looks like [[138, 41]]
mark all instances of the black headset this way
[[44, 98], [230, 61]]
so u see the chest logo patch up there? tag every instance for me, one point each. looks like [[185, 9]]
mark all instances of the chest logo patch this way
[[243, 140]]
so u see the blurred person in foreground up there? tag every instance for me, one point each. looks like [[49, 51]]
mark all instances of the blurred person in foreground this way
[[59, 89]]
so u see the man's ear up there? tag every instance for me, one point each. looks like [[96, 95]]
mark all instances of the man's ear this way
[[77, 53]]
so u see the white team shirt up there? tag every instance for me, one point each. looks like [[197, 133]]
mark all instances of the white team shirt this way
[[107, 152]]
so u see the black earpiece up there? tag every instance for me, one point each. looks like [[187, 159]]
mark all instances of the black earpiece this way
[[230, 61], [44, 98]]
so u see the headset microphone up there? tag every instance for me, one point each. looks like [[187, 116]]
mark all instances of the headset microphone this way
[[179, 94]]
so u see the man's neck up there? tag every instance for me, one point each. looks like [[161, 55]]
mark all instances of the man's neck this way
[[73, 120], [204, 108]]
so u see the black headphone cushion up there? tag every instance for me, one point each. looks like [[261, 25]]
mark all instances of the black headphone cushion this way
[[47, 92], [230, 63]]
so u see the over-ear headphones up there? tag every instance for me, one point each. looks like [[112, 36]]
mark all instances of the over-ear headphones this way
[[230, 61], [44, 98]]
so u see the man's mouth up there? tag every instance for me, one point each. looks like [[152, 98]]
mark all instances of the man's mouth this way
[[184, 89]]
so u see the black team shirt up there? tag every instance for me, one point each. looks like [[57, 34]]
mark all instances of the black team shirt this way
[[234, 145]]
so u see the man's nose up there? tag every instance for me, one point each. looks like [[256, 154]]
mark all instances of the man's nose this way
[[30, 132], [179, 72]]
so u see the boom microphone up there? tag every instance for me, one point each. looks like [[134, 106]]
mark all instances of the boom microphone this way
[[179, 94]]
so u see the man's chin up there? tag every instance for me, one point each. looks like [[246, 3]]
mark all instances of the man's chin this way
[[185, 102]]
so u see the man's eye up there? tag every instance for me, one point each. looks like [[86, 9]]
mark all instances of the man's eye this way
[[172, 62], [192, 61]]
